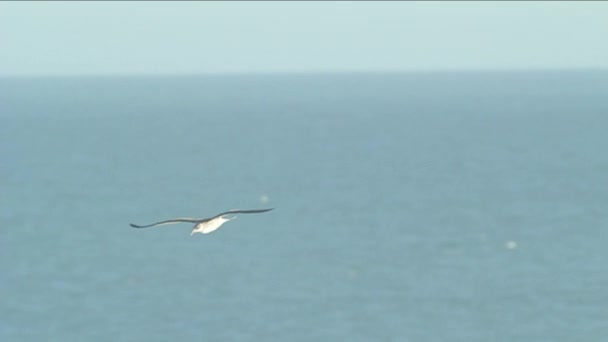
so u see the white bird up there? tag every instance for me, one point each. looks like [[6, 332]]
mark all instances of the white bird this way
[[206, 225]]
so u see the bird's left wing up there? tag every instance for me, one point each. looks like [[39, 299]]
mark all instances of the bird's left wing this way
[[171, 221]]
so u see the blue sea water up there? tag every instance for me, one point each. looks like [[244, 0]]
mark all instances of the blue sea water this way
[[409, 207]]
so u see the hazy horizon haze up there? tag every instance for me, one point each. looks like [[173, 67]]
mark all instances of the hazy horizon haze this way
[[185, 38]]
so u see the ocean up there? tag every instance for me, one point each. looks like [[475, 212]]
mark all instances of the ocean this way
[[454, 206]]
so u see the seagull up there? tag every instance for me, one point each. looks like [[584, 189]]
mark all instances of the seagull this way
[[206, 225]]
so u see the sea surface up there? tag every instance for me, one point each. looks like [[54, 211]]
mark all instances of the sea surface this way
[[409, 207]]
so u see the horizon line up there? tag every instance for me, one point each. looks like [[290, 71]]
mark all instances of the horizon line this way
[[305, 72]]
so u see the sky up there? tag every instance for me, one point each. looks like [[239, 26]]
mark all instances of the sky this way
[[118, 38]]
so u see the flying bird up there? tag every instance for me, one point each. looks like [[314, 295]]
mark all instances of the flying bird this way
[[206, 225]]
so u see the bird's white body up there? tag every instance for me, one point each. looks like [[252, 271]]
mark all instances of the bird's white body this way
[[210, 226]]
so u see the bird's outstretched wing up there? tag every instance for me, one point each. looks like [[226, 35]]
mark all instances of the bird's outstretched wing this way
[[172, 221], [239, 211]]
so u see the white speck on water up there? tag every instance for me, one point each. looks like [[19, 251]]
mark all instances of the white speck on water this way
[[264, 198], [510, 244], [353, 274]]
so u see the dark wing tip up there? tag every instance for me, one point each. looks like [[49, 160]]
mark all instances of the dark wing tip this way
[[256, 210], [134, 225]]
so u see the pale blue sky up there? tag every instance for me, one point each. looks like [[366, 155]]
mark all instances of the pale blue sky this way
[[108, 38]]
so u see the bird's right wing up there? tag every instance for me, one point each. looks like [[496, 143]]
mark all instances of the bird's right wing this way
[[239, 211], [172, 221]]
